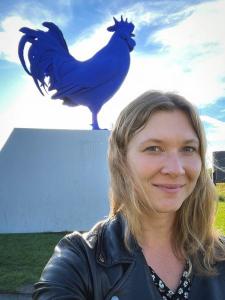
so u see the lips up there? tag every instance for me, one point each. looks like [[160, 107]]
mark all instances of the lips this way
[[169, 188]]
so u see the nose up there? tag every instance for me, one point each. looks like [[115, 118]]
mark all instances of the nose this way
[[173, 165]]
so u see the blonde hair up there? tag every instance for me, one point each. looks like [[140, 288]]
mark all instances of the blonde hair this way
[[194, 235]]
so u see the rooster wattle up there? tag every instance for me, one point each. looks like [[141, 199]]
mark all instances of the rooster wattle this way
[[90, 83]]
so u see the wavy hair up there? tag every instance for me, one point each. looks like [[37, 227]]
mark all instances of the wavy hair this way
[[194, 235]]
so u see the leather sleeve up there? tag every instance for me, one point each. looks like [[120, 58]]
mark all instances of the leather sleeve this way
[[66, 275]]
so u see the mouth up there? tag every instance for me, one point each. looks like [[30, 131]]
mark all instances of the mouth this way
[[169, 188]]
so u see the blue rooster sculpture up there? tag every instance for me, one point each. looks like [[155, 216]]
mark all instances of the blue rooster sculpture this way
[[90, 83]]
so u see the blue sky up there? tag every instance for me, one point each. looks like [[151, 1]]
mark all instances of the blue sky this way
[[180, 46]]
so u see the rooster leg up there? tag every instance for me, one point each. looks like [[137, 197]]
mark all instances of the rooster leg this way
[[95, 121]]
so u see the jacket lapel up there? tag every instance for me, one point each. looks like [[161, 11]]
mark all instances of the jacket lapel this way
[[135, 281]]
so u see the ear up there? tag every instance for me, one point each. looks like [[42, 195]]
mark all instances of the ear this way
[[111, 28]]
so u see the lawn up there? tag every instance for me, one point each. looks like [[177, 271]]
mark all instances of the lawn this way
[[23, 256], [221, 190], [220, 218]]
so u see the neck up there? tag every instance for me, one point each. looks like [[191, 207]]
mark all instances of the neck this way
[[157, 248], [157, 229]]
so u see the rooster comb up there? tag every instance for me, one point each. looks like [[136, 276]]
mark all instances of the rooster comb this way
[[122, 24]]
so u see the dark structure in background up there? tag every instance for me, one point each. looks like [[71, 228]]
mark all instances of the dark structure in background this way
[[219, 167]]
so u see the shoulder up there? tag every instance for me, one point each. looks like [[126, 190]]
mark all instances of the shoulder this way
[[67, 273], [78, 242], [105, 241], [220, 266], [77, 257], [73, 247]]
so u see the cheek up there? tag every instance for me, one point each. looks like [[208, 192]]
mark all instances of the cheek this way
[[143, 166], [137, 166], [195, 169]]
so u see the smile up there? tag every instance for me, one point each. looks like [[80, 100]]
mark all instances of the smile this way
[[169, 188]]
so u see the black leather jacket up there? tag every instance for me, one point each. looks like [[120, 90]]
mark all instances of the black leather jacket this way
[[96, 266]]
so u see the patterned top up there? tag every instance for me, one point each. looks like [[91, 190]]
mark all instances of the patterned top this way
[[182, 291]]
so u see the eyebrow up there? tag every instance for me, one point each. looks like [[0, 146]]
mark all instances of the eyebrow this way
[[158, 141]]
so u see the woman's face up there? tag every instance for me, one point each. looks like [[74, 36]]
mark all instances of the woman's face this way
[[164, 157]]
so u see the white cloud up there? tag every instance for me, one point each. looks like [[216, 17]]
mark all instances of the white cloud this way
[[215, 134], [10, 36], [196, 46], [24, 16], [139, 15], [212, 121], [204, 26], [191, 61], [32, 110], [91, 41], [96, 37]]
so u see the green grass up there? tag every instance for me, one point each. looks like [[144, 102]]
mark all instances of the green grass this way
[[221, 191], [220, 188], [23, 256], [220, 218]]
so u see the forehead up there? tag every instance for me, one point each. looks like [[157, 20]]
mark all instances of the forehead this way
[[167, 125]]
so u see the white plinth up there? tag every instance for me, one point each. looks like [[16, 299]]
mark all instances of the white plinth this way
[[53, 180]]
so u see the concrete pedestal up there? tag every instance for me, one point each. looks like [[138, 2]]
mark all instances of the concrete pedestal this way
[[53, 180]]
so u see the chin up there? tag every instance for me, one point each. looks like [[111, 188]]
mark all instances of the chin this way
[[168, 208]]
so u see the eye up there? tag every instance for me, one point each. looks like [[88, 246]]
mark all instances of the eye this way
[[189, 149], [153, 149]]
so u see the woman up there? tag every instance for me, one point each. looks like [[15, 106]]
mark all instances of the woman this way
[[159, 241]]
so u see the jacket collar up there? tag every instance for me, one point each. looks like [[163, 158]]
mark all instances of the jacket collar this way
[[108, 239]]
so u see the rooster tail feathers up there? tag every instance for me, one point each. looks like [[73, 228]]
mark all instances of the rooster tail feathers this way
[[43, 55], [57, 33], [21, 46], [34, 53]]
